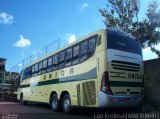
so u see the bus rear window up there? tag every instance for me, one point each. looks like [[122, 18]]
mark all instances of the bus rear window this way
[[121, 41]]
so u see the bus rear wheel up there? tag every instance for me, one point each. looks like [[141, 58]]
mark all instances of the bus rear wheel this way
[[66, 104], [54, 103]]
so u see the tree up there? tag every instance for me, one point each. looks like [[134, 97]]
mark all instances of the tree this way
[[123, 15]]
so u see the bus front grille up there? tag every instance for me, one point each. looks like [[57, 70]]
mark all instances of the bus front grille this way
[[125, 66]]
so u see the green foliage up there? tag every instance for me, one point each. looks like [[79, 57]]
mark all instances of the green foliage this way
[[123, 15]]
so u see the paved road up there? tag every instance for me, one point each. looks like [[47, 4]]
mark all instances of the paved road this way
[[10, 110]]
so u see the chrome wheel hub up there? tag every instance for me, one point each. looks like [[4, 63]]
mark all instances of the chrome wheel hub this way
[[66, 104]]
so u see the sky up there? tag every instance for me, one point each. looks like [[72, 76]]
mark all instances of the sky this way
[[28, 25]]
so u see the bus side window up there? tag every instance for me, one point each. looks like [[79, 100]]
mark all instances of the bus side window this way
[[39, 68], [36, 69], [24, 74], [84, 49], [29, 72], [55, 62], [44, 66], [33, 71], [68, 57], [75, 59], [91, 46], [21, 75], [49, 66], [61, 59]]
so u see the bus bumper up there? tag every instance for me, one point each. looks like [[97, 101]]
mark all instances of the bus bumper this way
[[106, 100]]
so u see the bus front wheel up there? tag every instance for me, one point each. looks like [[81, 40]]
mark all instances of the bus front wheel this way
[[66, 103], [54, 103], [22, 100]]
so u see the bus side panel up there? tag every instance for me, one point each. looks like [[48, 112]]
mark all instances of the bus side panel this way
[[101, 61], [101, 67]]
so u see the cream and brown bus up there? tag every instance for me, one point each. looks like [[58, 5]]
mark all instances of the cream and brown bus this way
[[102, 69]]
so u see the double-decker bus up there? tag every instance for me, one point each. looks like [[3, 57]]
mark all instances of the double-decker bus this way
[[102, 69]]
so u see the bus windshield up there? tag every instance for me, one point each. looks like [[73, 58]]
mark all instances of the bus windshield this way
[[122, 41]]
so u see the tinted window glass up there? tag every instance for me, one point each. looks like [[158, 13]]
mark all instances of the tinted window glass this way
[[92, 46], [75, 54], [45, 63], [61, 56], [44, 66], [39, 68], [36, 67], [23, 74], [68, 57], [61, 59], [33, 69], [84, 48], [55, 62], [29, 72], [49, 61], [49, 68], [124, 42], [69, 53]]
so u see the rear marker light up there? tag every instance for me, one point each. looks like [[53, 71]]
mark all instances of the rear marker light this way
[[105, 86]]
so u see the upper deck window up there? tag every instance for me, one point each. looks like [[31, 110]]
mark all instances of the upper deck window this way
[[75, 59], [55, 62], [68, 57], [44, 66], [36, 67], [61, 59], [91, 46], [84, 49], [49, 61], [49, 68], [39, 68]]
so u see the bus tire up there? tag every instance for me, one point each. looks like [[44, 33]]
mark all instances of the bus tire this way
[[22, 100], [54, 103], [66, 103]]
